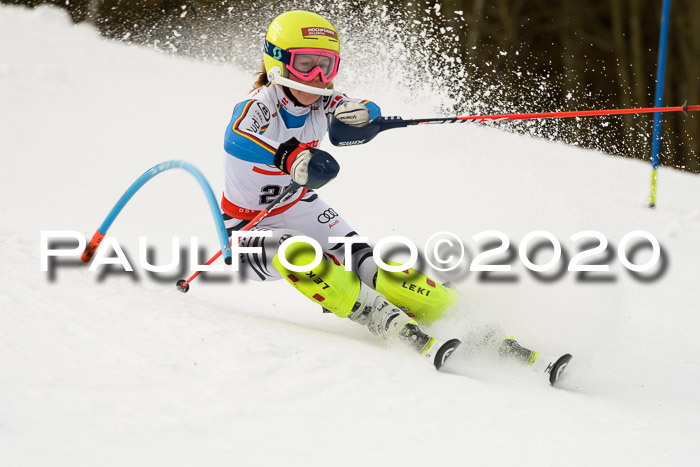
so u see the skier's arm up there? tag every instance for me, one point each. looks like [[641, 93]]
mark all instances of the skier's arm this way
[[245, 138]]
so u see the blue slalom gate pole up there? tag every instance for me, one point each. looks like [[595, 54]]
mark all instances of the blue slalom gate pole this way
[[658, 102], [141, 181]]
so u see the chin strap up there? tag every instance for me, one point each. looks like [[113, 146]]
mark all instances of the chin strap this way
[[275, 77]]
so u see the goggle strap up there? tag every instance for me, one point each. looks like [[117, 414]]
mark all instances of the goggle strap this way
[[277, 53]]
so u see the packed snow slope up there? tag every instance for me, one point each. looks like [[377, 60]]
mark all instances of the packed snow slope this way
[[109, 368]]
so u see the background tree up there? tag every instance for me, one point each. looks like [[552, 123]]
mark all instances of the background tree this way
[[499, 55]]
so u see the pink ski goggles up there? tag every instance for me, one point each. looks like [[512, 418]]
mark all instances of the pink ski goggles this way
[[307, 63]]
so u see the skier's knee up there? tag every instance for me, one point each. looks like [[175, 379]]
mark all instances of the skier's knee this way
[[424, 298]]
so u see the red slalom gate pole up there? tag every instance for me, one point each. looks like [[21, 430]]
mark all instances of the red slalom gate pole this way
[[184, 285]]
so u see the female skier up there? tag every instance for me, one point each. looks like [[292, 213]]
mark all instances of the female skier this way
[[271, 142]]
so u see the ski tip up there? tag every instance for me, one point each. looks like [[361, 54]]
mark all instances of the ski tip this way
[[445, 351], [558, 368]]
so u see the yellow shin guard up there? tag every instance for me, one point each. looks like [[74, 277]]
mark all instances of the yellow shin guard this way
[[339, 291], [423, 298], [328, 284]]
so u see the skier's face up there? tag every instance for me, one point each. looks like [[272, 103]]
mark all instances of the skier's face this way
[[306, 98]]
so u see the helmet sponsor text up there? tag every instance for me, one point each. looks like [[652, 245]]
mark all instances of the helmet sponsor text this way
[[316, 31]]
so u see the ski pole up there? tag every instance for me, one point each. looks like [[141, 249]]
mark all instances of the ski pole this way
[[342, 134], [184, 285]]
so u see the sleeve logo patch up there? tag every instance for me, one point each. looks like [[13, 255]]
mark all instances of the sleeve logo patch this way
[[263, 109], [319, 32]]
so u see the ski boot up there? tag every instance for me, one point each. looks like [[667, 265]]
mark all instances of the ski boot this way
[[538, 362], [389, 322]]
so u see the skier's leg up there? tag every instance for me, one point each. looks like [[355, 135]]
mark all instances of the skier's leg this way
[[420, 296], [342, 293], [318, 220]]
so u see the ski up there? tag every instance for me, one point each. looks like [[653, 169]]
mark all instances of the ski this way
[[441, 351], [552, 367], [556, 369]]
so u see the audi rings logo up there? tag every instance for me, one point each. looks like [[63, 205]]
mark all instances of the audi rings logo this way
[[326, 216]]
